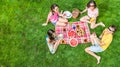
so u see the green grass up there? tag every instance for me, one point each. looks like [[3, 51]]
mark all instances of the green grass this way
[[22, 38]]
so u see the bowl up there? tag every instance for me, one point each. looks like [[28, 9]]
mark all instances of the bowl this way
[[73, 42], [67, 14]]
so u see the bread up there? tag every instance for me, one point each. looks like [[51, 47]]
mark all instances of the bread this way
[[79, 31]]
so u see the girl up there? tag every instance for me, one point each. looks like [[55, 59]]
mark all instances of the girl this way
[[52, 41], [55, 16], [92, 14]]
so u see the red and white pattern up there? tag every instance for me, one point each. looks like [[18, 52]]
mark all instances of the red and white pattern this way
[[69, 27]]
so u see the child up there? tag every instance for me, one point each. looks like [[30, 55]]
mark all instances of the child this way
[[55, 17], [52, 41], [92, 14], [99, 45]]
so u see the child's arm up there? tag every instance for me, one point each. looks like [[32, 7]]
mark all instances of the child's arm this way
[[56, 44], [60, 13], [84, 10], [44, 24], [48, 41]]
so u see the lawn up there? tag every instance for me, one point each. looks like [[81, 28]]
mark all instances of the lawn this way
[[22, 37]]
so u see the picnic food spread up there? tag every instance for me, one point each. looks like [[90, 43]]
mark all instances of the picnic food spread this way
[[75, 33], [92, 20], [79, 30]]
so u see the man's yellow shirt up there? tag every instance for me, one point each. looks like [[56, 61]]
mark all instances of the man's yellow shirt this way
[[107, 39]]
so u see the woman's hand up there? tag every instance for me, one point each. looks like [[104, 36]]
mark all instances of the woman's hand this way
[[83, 11]]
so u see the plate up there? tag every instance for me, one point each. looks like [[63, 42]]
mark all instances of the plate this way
[[73, 42], [67, 14]]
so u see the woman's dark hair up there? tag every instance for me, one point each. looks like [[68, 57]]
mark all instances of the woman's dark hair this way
[[91, 1], [114, 27], [53, 7], [50, 34]]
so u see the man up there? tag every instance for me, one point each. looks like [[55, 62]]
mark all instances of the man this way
[[99, 45]]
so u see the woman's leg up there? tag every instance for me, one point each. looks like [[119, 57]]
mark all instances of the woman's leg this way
[[85, 19], [94, 25], [60, 24], [63, 20]]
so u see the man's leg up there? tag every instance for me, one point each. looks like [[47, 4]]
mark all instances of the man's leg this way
[[92, 37], [92, 40], [93, 54]]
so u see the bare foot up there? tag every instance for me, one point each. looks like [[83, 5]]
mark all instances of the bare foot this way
[[101, 23], [98, 59]]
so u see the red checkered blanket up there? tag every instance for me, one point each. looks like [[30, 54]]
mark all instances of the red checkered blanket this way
[[65, 29]]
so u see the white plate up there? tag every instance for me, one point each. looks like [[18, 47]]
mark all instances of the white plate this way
[[67, 14]]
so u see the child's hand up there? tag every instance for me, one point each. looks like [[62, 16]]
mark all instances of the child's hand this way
[[81, 12], [44, 24]]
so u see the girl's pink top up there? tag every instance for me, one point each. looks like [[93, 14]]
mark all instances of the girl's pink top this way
[[54, 17], [91, 13]]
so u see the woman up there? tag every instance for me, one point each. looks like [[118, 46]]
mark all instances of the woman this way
[[55, 17], [52, 41], [92, 14]]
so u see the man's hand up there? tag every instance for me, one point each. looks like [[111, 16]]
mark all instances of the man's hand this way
[[102, 43]]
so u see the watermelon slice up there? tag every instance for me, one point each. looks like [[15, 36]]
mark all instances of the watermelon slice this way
[[73, 42], [71, 33]]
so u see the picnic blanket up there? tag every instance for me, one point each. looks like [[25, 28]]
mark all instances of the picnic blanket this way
[[72, 26]]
